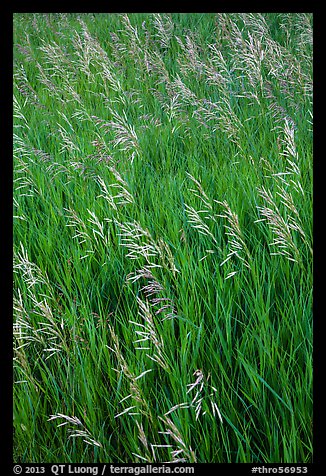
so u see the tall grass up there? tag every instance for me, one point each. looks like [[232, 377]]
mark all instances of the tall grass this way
[[163, 237]]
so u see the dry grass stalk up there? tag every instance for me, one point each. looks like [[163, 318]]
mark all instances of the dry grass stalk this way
[[281, 229], [138, 241], [18, 114], [196, 220], [122, 197], [284, 223], [182, 453], [200, 402], [125, 137], [46, 332], [164, 27], [152, 291], [147, 456], [140, 244], [220, 116], [148, 335], [217, 71], [25, 88], [68, 420], [81, 231], [236, 242], [140, 406], [190, 61]]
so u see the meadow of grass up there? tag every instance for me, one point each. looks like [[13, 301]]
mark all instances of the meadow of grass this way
[[163, 237]]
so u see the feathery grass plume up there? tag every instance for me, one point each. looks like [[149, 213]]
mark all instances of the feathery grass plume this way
[[24, 335], [183, 453], [44, 328], [283, 242], [95, 236], [251, 64], [200, 386], [59, 62], [166, 257], [173, 108], [140, 244], [51, 88], [56, 168], [155, 66], [109, 74], [24, 174], [164, 27], [125, 137], [190, 60], [86, 171], [222, 117], [122, 197], [90, 53], [23, 332], [203, 402], [131, 32], [84, 433], [19, 114], [144, 272], [247, 60], [118, 50], [178, 88], [134, 47], [84, 53], [82, 233], [178, 107], [304, 48], [217, 71], [25, 88], [148, 59], [21, 148], [195, 220], [98, 229], [222, 21], [16, 208], [166, 306], [43, 156], [204, 219], [282, 66], [68, 142], [139, 405], [287, 182], [236, 242], [129, 98], [255, 23], [24, 182], [153, 291], [247, 54], [150, 120], [147, 456], [49, 331], [149, 335], [291, 176], [277, 111], [297, 23], [30, 272], [26, 49]]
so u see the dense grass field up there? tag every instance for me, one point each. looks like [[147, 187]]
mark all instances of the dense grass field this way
[[163, 237]]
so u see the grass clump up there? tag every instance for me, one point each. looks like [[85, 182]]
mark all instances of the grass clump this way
[[163, 238]]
